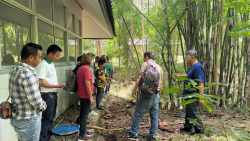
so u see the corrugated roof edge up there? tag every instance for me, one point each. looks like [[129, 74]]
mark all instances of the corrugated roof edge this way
[[110, 14]]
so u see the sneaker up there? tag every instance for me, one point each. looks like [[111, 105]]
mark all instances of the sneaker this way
[[152, 138], [84, 138], [89, 133], [132, 137], [93, 113]]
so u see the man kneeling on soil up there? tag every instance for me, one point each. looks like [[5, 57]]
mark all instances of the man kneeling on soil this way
[[147, 102]]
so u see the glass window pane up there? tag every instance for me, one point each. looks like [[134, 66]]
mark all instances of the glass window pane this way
[[59, 14], [45, 36], [77, 27], [14, 33], [70, 21], [59, 40], [44, 8], [26, 3], [73, 48]]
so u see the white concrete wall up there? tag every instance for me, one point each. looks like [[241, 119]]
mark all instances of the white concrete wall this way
[[7, 133]]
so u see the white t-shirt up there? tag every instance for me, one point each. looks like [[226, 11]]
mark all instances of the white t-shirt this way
[[46, 70]]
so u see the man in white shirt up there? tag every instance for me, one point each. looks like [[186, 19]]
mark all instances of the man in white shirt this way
[[46, 73]]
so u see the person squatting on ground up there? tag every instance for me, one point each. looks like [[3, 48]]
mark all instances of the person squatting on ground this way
[[100, 87], [27, 103], [197, 71], [147, 102], [110, 74], [84, 91], [46, 73]]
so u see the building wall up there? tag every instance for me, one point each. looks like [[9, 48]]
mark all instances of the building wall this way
[[7, 132]]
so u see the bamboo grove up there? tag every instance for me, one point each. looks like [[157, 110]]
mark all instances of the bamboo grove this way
[[218, 29]]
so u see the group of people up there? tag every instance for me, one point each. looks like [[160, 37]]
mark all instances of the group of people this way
[[33, 91], [92, 78]]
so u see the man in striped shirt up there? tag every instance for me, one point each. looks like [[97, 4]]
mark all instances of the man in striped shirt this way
[[25, 94]]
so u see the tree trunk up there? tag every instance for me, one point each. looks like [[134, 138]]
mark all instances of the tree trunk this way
[[132, 28], [99, 47], [155, 13], [142, 24]]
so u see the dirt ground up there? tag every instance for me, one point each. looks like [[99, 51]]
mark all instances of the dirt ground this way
[[118, 115], [119, 111]]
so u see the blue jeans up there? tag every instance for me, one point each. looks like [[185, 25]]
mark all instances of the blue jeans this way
[[48, 116], [27, 130], [146, 103]]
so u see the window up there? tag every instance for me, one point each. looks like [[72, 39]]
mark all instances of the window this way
[[45, 36], [59, 14], [77, 27], [14, 33], [70, 21], [44, 8], [59, 40], [26, 3], [73, 48]]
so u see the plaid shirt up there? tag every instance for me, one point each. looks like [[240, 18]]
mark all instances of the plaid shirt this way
[[24, 92]]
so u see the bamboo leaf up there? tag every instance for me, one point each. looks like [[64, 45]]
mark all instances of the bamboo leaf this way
[[238, 133], [193, 82], [206, 106], [181, 78], [171, 90], [188, 101]]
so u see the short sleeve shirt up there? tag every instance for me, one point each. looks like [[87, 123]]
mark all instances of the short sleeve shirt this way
[[83, 74], [158, 68], [99, 72], [46, 70], [197, 71], [109, 68]]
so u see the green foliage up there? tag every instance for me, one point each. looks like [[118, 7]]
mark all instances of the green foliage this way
[[238, 134]]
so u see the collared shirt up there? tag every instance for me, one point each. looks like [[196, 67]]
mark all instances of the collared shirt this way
[[24, 92], [158, 68], [197, 72], [46, 70]]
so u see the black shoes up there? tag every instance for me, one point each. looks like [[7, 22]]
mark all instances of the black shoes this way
[[132, 137], [100, 108], [186, 130], [152, 138], [199, 132]]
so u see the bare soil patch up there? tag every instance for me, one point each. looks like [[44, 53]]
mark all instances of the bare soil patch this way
[[118, 115]]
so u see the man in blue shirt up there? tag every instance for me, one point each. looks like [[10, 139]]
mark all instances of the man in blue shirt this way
[[197, 71]]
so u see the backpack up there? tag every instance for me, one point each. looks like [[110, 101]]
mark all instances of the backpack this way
[[149, 80]]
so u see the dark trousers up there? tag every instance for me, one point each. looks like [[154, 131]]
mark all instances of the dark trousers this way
[[48, 116], [85, 108], [192, 111], [99, 95], [107, 87]]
